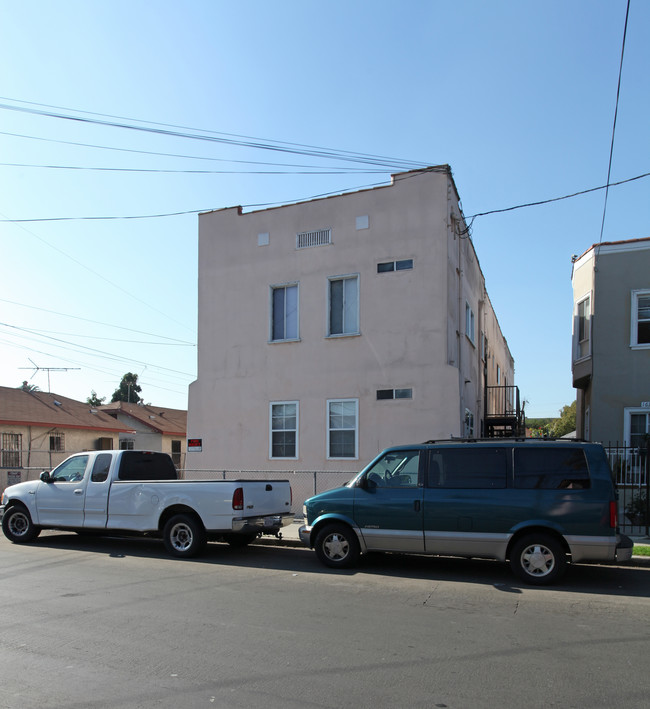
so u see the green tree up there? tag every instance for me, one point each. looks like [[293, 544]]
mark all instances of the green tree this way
[[128, 390], [94, 400], [565, 424]]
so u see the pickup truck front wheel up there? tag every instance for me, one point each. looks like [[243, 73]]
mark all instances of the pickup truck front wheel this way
[[337, 546], [17, 525], [183, 536]]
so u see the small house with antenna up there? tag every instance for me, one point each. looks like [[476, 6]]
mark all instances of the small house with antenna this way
[[40, 429]]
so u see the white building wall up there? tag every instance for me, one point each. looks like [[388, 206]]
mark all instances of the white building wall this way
[[404, 325]]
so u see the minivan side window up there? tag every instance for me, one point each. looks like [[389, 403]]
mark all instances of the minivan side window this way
[[551, 469], [468, 468]]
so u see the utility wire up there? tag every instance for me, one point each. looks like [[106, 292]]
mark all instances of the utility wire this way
[[255, 143], [611, 147]]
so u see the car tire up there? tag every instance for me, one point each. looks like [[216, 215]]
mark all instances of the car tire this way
[[183, 536], [17, 525], [538, 559], [337, 546]]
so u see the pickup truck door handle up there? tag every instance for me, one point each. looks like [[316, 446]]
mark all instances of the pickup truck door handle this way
[[416, 505], [78, 491]]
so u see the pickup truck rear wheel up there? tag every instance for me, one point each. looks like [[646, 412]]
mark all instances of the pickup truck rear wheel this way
[[17, 525], [183, 536], [337, 546]]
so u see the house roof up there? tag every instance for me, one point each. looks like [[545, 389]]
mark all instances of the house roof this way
[[20, 407], [612, 243], [165, 421]]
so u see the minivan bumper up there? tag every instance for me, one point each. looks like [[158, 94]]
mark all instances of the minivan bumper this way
[[624, 548], [304, 534]]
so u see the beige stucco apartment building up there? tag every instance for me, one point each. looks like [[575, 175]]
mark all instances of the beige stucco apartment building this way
[[611, 342], [332, 328]]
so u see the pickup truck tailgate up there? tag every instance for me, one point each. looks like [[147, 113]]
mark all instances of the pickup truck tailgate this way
[[263, 497]]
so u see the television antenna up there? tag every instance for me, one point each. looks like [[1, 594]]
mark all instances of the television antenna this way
[[38, 369]]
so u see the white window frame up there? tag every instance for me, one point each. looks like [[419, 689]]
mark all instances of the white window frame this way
[[348, 328], [273, 289], [634, 319], [470, 323], [127, 444], [330, 430], [284, 430]]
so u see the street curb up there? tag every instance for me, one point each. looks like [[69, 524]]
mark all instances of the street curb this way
[[637, 561]]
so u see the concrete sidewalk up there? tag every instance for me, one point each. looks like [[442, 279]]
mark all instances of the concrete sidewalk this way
[[290, 538]]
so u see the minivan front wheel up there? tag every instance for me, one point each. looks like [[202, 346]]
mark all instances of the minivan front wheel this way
[[337, 546], [538, 559]]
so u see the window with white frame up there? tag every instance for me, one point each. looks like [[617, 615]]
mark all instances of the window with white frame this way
[[640, 325], [343, 305], [403, 265], [394, 394], [637, 427], [283, 429], [11, 450], [284, 312], [342, 428], [583, 318], [127, 444], [469, 323]]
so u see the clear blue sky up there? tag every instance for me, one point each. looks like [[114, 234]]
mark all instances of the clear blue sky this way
[[517, 97]]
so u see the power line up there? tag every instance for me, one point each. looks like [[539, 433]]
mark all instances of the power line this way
[[243, 141], [611, 147]]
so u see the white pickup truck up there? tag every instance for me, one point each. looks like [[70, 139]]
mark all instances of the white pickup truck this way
[[138, 492]]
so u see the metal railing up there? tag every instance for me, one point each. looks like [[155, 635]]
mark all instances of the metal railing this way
[[630, 467]]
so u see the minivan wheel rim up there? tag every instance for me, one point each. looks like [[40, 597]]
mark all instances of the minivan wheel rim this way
[[336, 547], [537, 560], [181, 537], [18, 525]]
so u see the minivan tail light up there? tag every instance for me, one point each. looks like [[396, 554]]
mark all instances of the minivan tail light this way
[[238, 499], [612, 515]]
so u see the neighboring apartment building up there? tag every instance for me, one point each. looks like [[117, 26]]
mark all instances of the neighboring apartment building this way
[[611, 341], [38, 430], [151, 428], [332, 328]]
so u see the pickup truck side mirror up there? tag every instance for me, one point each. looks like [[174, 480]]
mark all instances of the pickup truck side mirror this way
[[45, 477]]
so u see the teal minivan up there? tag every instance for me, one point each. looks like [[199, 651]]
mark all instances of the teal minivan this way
[[536, 503]]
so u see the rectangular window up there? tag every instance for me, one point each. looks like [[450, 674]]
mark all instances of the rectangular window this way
[[127, 444], [284, 429], [469, 424], [468, 468], [639, 429], [583, 325], [11, 450], [394, 394], [469, 323], [640, 327], [176, 453], [320, 237], [551, 469], [57, 442], [284, 313], [387, 266], [344, 305], [342, 428]]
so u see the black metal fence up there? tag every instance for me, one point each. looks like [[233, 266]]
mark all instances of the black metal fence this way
[[630, 468]]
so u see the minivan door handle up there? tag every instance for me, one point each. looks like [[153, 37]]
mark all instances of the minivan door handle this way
[[416, 505]]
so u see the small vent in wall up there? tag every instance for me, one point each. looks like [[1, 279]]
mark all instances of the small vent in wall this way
[[313, 238]]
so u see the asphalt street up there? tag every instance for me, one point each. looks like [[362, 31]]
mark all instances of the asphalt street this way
[[107, 623]]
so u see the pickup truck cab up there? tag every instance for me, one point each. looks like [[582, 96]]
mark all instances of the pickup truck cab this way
[[535, 503], [138, 492]]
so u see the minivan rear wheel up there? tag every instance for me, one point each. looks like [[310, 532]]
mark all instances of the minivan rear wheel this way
[[538, 559]]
